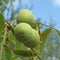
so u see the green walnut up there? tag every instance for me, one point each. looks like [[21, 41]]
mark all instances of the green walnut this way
[[24, 53], [25, 16], [23, 32], [34, 41]]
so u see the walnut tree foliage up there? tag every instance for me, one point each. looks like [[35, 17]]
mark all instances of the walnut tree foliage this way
[[47, 49]]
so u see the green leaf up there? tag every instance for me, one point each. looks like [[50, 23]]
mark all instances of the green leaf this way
[[11, 37], [43, 37], [17, 58], [35, 25], [58, 31], [24, 52], [20, 45], [13, 42], [51, 46], [5, 53], [2, 22], [1, 37], [11, 45], [45, 34]]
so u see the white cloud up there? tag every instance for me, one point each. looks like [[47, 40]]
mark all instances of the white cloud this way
[[56, 2]]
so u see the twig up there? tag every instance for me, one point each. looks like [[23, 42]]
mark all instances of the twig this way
[[39, 57], [9, 26], [31, 58], [45, 24], [36, 54]]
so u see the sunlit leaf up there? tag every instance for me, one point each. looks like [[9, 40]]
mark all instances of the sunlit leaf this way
[[51, 47], [43, 37], [58, 32]]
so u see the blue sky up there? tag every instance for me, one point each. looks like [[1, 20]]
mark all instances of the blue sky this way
[[44, 9]]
